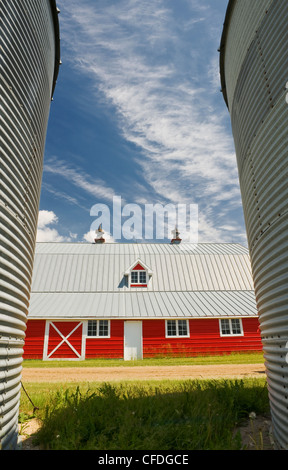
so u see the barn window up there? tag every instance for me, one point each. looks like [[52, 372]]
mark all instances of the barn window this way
[[177, 328], [134, 277], [138, 277], [98, 328], [231, 326]]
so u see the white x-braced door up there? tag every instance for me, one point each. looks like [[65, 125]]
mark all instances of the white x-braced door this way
[[64, 340]]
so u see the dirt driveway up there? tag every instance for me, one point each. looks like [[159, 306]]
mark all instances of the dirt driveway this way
[[123, 373]]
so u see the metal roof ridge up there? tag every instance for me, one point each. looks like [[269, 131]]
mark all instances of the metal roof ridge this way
[[140, 243], [134, 291]]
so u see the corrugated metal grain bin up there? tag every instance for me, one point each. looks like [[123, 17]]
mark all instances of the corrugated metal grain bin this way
[[254, 73], [29, 50]]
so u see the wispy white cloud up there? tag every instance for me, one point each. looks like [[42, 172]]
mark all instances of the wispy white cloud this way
[[80, 179], [138, 57], [57, 194]]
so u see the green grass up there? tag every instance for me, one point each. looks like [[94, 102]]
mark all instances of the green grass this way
[[147, 415], [235, 358], [167, 415]]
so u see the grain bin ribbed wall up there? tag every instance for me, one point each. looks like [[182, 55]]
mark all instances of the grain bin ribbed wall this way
[[254, 73], [29, 51]]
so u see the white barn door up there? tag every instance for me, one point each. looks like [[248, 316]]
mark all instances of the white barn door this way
[[132, 340]]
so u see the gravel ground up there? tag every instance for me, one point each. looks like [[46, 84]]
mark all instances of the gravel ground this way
[[102, 374]]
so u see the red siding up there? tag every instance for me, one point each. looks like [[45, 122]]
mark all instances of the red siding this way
[[204, 339], [34, 341], [107, 347]]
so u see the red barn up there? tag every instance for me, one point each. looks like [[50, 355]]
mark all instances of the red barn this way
[[137, 300]]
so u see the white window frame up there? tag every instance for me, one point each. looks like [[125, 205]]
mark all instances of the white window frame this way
[[138, 283], [230, 327], [97, 329], [177, 329]]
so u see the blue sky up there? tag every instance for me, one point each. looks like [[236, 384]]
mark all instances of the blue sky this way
[[138, 113]]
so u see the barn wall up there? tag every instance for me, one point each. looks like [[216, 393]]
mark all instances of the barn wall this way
[[107, 347], [204, 339], [34, 341]]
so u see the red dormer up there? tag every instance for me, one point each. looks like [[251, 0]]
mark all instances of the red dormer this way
[[138, 274]]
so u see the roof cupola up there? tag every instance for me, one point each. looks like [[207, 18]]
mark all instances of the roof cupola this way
[[99, 235], [176, 238]]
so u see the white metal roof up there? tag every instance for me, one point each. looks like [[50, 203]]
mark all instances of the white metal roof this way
[[88, 280], [143, 305], [141, 248]]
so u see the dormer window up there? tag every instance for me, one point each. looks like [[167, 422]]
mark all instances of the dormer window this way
[[138, 275]]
